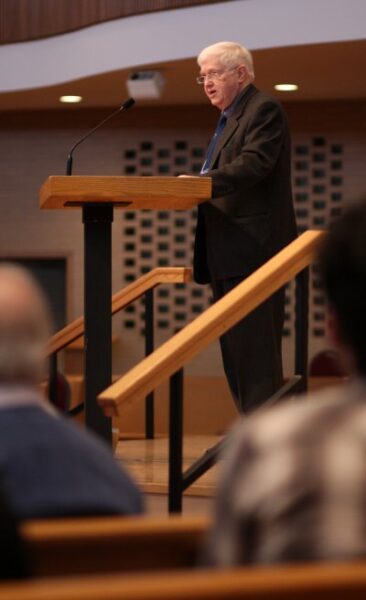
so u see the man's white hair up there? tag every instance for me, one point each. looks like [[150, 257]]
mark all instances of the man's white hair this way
[[24, 326], [230, 55]]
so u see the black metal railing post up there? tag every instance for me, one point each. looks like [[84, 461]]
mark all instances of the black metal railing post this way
[[302, 327], [149, 347], [176, 442]]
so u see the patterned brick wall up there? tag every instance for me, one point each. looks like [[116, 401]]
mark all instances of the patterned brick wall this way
[[164, 238]]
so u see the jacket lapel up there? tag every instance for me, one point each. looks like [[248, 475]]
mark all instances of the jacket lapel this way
[[232, 122]]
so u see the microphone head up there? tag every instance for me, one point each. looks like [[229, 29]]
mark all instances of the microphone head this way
[[130, 102]]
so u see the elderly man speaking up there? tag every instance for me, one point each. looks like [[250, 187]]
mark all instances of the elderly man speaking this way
[[250, 216]]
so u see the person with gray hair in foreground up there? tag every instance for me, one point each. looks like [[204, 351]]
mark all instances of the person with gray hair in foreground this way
[[294, 480], [48, 466]]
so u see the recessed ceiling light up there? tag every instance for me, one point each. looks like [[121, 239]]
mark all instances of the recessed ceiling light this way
[[286, 87], [70, 99]]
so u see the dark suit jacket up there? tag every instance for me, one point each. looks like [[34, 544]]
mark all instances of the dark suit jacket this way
[[250, 216]]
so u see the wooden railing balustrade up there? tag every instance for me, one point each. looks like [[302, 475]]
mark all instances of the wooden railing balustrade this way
[[132, 292], [169, 359], [120, 300]]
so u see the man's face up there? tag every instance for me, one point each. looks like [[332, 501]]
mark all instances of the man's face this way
[[222, 84]]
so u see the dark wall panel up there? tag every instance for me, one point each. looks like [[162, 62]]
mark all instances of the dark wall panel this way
[[22, 20]]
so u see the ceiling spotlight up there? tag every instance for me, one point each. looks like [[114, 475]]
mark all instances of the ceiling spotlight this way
[[70, 99], [286, 87]]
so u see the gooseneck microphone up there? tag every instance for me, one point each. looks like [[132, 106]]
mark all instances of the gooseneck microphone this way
[[126, 105]]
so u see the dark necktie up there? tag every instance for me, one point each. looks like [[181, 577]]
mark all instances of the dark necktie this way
[[212, 145]]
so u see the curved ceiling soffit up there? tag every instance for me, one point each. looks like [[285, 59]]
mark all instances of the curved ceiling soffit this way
[[173, 35]]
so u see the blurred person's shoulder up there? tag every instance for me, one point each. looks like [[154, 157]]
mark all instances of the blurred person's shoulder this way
[[298, 414]]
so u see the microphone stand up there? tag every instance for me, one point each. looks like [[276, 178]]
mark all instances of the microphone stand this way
[[126, 105]]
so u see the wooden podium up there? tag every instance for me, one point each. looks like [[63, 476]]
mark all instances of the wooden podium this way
[[97, 196]]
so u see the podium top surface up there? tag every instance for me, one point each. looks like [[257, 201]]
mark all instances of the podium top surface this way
[[175, 193]]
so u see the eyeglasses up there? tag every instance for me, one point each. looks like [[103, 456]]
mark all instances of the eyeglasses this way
[[215, 75]]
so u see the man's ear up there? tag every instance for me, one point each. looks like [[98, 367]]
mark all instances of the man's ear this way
[[243, 73]]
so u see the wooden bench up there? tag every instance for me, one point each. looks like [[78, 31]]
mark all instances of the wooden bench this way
[[310, 582], [112, 544]]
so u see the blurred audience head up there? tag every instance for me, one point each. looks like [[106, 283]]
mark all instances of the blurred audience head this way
[[24, 326], [343, 267]]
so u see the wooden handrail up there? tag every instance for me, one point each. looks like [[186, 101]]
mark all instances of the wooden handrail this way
[[120, 300], [210, 325]]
